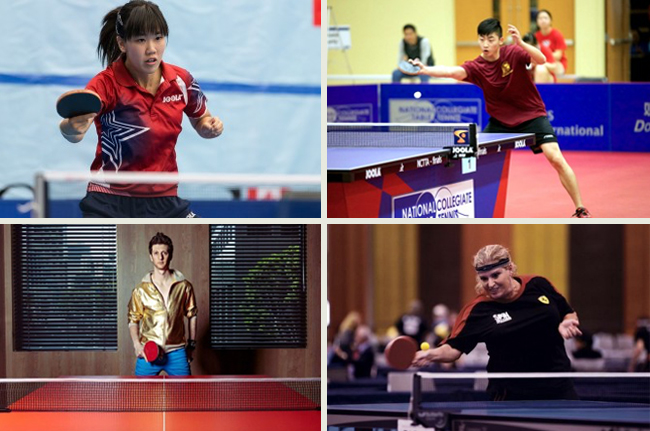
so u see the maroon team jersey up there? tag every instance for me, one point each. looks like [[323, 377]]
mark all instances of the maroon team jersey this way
[[510, 93], [138, 130]]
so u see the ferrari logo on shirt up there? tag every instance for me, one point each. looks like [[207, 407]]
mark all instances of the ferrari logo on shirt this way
[[502, 317], [543, 299], [506, 69]]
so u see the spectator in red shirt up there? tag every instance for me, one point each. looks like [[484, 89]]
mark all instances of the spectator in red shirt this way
[[550, 38], [550, 65], [143, 102], [511, 98]]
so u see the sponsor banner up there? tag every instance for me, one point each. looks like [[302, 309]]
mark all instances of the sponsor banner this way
[[353, 113], [579, 114], [352, 104], [449, 201], [435, 110], [426, 103], [630, 117], [600, 117]]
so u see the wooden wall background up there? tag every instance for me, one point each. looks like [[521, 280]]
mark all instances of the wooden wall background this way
[[604, 270], [191, 254]]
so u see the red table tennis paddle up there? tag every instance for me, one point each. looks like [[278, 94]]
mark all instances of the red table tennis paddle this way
[[152, 352], [400, 352], [408, 68], [74, 103]]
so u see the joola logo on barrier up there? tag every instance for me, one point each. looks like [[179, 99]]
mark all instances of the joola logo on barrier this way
[[373, 173], [174, 98], [460, 152]]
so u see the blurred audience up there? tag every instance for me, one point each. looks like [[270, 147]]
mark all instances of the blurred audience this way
[[584, 357], [344, 340], [441, 325], [413, 322], [362, 360], [640, 361], [584, 347]]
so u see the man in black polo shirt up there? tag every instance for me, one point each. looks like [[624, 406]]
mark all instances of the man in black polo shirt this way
[[412, 47]]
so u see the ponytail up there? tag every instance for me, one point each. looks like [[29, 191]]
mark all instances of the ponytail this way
[[108, 50]]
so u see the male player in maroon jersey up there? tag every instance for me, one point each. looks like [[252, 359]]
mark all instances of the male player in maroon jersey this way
[[511, 98]]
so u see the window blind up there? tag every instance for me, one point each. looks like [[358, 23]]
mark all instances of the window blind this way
[[64, 287], [258, 295]]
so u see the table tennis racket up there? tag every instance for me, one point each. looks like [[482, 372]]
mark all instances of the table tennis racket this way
[[400, 352], [74, 103], [408, 68], [152, 352]]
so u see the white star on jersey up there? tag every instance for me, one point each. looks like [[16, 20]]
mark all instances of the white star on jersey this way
[[114, 133]]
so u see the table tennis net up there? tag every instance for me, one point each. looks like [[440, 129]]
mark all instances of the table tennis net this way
[[159, 394], [398, 135]]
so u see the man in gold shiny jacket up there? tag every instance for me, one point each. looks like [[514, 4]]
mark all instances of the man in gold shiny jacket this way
[[157, 310]]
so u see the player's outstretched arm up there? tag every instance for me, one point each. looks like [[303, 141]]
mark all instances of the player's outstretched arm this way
[[207, 126], [454, 72], [444, 353]]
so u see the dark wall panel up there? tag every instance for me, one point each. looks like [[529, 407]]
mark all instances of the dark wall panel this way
[[596, 276], [439, 278]]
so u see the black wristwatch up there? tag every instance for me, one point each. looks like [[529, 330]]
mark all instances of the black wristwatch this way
[[191, 345]]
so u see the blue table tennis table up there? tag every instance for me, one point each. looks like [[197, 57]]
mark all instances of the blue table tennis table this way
[[502, 416], [420, 182]]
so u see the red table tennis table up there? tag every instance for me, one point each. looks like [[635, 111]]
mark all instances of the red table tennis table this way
[[271, 416]]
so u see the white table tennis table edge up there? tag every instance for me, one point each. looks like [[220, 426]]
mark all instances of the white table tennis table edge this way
[[429, 150]]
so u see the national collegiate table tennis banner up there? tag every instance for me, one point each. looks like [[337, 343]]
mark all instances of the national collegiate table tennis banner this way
[[593, 117], [440, 103]]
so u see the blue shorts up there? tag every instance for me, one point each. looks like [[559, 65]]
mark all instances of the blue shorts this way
[[174, 363]]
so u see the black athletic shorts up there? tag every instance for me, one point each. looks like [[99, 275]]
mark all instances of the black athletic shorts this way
[[540, 126], [97, 204]]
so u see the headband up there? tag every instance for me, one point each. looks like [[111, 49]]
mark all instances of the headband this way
[[492, 265]]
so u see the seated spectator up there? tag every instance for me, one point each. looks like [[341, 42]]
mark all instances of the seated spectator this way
[[550, 38], [342, 345], [413, 323], [641, 357], [584, 347], [585, 357], [362, 359], [441, 327], [412, 47], [549, 75]]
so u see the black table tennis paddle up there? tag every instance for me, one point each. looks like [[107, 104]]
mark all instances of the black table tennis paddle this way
[[74, 103]]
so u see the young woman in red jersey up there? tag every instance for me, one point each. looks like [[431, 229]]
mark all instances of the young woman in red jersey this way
[[511, 98], [143, 102]]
